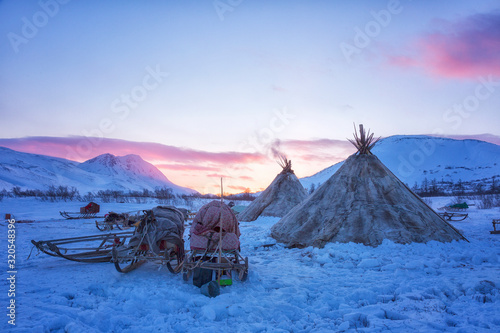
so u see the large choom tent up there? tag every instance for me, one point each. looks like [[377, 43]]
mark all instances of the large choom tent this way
[[284, 193], [363, 202]]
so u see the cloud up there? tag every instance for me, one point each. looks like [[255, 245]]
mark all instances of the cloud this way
[[327, 158], [218, 175], [245, 178], [186, 167], [495, 139], [237, 188], [315, 145], [318, 152], [466, 48], [241, 168], [346, 108], [278, 88], [78, 148]]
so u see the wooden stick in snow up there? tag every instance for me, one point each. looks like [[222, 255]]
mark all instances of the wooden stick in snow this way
[[219, 272]]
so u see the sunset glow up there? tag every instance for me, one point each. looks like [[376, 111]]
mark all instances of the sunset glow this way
[[204, 93]]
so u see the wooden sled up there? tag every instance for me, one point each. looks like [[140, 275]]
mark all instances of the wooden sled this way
[[127, 250], [75, 216], [95, 248], [453, 216], [87, 212], [459, 207], [495, 222], [217, 261], [121, 221], [214, 247], [128, 258], [168, 251]]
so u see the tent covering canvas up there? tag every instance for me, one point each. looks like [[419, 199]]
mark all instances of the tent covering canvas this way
[[284, 193], [363, 202]]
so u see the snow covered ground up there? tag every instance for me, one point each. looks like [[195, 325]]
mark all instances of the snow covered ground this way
[[432, 287]]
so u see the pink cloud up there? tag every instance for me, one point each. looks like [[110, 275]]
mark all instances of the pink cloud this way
[[237, 188], [241, 168], [327, 158], [466, 48], [217, 175], [308, 145], [495, 139], [278, 88], [185, 167], [80, 149]]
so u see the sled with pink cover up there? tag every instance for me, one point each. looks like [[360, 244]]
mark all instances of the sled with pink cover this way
[[215, 243]]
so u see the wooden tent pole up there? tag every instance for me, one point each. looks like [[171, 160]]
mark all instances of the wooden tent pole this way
[[220, 230]]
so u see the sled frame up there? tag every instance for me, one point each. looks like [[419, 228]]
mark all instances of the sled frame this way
[[97, 253]]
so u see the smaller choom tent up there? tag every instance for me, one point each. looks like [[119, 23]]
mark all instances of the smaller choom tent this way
[[284, 193], [363, 202]]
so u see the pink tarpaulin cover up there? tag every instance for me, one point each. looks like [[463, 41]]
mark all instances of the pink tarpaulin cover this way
[[207, 223], [229, 241]]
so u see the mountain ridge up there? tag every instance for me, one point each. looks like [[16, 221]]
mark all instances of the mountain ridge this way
[[414, 158], [103, 172]]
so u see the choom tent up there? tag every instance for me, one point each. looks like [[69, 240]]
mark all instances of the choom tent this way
[[284, 193], [363, 202]]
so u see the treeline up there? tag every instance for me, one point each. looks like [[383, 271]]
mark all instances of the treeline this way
[[163, 195], [435, 188], [245, 196], [485, 201], [53, 193], [482, 201]]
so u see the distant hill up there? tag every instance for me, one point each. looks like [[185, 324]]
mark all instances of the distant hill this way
[[104, 172], [415, 159]]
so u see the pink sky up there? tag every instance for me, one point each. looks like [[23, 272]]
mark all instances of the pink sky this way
[[201, 97], [463, 49], [202, 170]]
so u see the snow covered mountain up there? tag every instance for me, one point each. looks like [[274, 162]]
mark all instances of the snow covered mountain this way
[[413, 159], [104, 172]]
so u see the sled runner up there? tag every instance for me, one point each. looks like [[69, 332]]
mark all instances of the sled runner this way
[[158, 238], [453, 216], [454, 212], [96, 248], [215, 247]]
